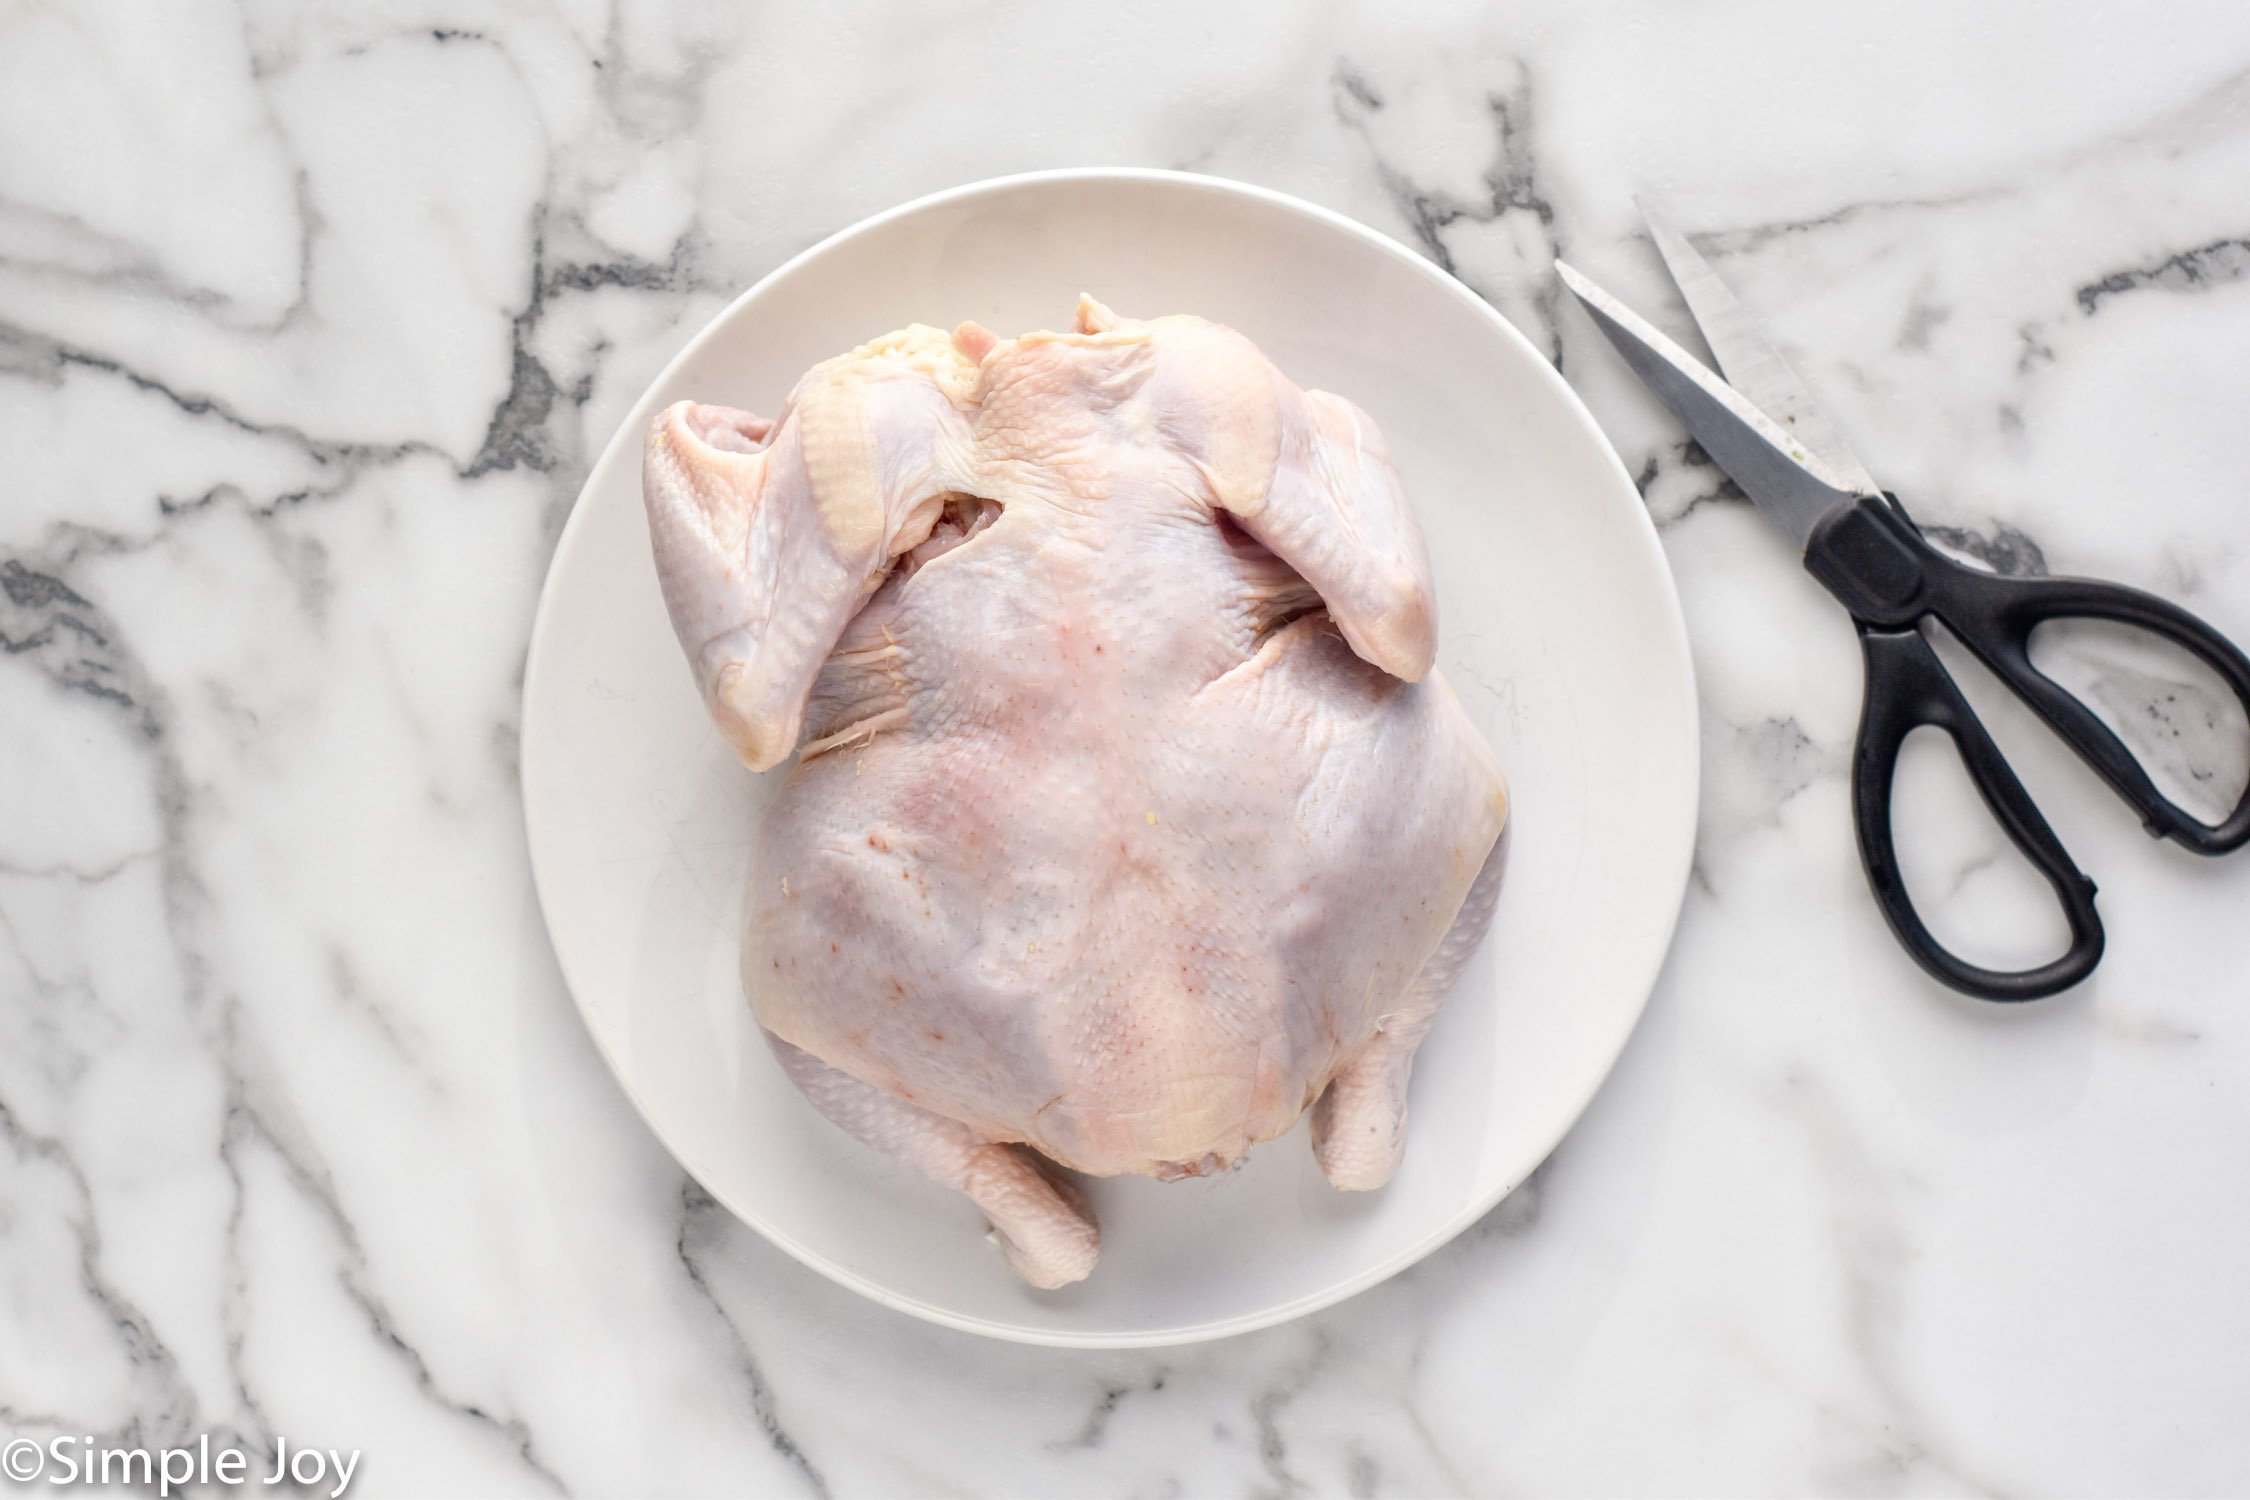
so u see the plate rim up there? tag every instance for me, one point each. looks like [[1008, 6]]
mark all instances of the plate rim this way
[[1644, 534]]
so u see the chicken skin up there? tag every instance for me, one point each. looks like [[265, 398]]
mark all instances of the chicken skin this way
[[1129, 820]]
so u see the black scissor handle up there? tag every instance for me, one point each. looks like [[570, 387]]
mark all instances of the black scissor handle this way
[[1875, 561], [1995, 618], [1908, 688]]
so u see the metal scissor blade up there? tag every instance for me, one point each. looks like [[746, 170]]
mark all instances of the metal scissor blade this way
[[1750, 364], [1773, 468]]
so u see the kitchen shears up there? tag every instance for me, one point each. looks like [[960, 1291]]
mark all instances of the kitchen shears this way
[[1765, 430]]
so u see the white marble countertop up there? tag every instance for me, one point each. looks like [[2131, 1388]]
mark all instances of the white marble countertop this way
[[309, 324]]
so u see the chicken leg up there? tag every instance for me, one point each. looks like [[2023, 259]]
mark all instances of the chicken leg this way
[[1359, 1124], [1043, 1225]]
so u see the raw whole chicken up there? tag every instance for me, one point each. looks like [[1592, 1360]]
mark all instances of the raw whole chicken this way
[[1129, 819]]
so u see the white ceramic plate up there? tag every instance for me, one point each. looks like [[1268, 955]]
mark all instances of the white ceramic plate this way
[[1558, 627]]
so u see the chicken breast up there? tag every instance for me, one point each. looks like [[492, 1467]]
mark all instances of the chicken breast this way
[[1129, 819]]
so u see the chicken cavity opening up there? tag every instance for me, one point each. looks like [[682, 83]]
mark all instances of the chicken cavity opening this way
[[959, 518], [1239, 541], [1287, 614], [1279, 598]]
